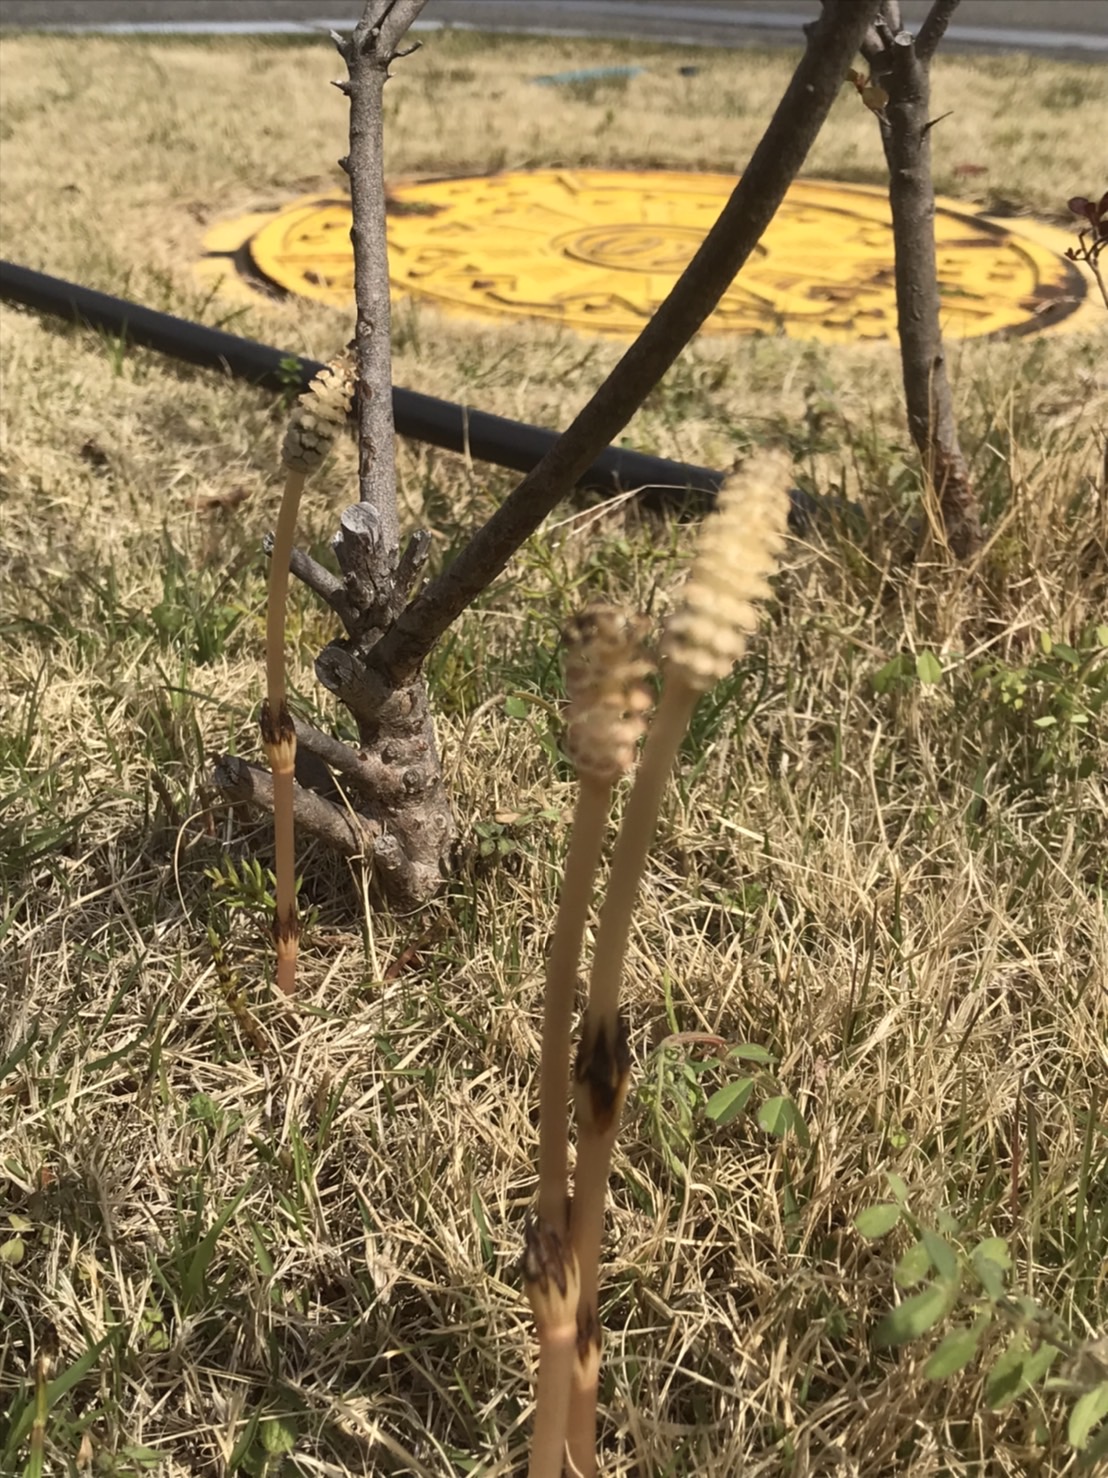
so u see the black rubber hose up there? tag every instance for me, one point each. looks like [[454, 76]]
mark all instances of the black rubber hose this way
[[456, 428]]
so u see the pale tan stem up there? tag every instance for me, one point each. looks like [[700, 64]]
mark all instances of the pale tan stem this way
[[590, 1188], [706, 635], [594, 1160], [633, 845], [548, 1439], [557, 1318], [581, 1422], [590, 823], [286, 927], [280, 736], [277, 600], [601, 1045], [557, 1321]]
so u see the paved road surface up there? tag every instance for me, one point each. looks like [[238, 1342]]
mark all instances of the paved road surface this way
[[1062, 27]]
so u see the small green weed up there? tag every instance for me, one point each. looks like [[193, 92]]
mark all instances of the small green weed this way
[[959, 1281], [684, 1096], [1043, 711]]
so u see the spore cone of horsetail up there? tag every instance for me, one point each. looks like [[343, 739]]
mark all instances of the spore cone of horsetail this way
[[316, 419], [606, 672], [608, 699], [707, 634], [319, 415], [739, 545]]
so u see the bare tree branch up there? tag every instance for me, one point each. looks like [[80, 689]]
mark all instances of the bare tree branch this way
[[934, 28], [832, 44], [368, 54], [416, 553], [383, 785], [335, 754], [906, 137], [309, 572], [885, 26], [388, 22], [337, 826], [870, 45]]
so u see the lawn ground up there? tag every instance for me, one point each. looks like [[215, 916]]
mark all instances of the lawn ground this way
[[247, 1239]]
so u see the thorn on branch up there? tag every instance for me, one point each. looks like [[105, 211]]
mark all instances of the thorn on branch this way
[[927, 127]]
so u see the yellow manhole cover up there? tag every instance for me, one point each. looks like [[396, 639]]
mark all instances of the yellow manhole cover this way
[[598, 250]]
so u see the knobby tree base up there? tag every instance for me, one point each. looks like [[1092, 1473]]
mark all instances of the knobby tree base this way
[[386, 799]]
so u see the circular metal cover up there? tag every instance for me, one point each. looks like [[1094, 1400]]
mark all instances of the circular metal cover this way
[[598, 250]]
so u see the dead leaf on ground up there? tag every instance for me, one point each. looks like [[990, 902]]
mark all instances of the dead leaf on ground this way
[[221, 502]]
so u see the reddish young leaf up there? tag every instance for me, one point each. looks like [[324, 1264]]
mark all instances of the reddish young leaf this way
[[1096, 215]]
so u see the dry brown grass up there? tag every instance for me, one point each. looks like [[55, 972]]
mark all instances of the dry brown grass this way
[[900, 894]]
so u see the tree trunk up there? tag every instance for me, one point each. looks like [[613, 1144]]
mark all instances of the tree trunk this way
[[406, 805], [901, 65]]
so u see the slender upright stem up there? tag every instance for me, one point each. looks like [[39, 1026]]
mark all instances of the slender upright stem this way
[[278, 594], [590, 822], [606, 668], [632, 847], [902, 66], [603, 1066], [551, 1258], [594, 1159], [557, 1347], [279, 737]]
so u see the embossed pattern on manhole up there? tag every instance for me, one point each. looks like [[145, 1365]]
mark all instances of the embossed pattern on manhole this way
[[598, 250]]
